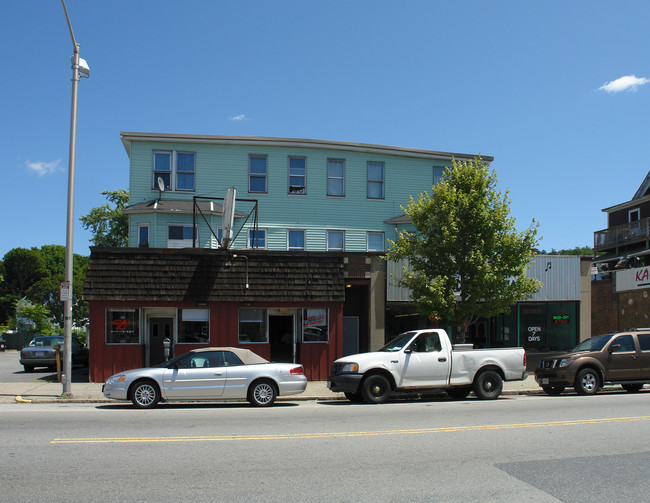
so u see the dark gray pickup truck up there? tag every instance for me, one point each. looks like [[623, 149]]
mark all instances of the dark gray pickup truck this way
[[616, 358]]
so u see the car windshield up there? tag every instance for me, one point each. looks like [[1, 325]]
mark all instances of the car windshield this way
[[398, 342], [594, 344]]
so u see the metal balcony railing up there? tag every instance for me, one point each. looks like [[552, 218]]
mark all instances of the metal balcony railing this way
[[631, 232]]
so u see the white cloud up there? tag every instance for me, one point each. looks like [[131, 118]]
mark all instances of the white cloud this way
[[626, 83], [241, 117], [41, 168]]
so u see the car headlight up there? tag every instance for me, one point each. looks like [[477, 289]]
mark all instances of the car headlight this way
[[114, 379], [349, 368], [565, 362]]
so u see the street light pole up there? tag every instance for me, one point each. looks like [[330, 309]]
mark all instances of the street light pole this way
[[66, 294]]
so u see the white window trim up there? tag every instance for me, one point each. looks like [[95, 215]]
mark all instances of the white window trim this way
[[631, 212], [257, 175], [173, 170], [304, 176], [148, 244], [382, 181], [249, 245], [182, 243], [383, 245], [327, 239], [342, 177], [304, 233]]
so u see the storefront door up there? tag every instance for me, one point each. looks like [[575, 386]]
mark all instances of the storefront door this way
[[159, 330], [282, 338]]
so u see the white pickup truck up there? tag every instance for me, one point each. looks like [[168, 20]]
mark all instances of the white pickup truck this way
[[423, 360]]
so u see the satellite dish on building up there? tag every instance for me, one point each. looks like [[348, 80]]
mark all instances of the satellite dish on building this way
[[227, 217], [161, 187]]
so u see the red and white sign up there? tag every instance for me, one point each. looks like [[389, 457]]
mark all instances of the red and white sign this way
[[65, 291], [633, 279]]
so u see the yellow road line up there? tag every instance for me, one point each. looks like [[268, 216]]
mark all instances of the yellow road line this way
[[293, 436]]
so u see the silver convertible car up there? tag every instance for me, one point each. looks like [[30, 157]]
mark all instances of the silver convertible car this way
[[208, 374]]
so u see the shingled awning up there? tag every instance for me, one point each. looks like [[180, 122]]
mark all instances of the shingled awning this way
[[201, 275]]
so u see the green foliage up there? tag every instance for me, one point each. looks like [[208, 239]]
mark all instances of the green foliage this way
[[467, 259], [109, 225], [46, 291], [578, 250], [36, 275], [31, 319]]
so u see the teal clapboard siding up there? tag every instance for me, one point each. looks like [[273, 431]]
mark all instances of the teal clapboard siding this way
[[220, 165]]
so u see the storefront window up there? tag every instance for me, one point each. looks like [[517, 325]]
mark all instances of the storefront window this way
[[315, 326], [548, 327], [194, 325], [252, 326], [122, 326]]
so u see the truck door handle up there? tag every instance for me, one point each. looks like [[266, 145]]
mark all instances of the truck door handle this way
[[442, 359]]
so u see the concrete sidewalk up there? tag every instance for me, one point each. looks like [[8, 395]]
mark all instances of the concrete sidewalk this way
[[44, 392]]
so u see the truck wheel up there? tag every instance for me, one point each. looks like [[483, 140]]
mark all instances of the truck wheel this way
[[587, 382], [553, 390], [354, 397], [488, 385], [633, 387], [458, 393], [375, 389]]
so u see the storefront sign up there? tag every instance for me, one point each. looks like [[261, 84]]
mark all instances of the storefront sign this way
[[561, 319], [633, 279]]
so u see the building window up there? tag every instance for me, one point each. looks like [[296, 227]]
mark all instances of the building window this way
[[194, 325], [122, 326], [375, 241], [257, 239], [375, 180], [252, 326], [336, 177], [296, 240], [437, 174], [297, 175], [257, 173], [176, 167], [143, 235], [180, 236], [314, 325], [634, 215], [335, 240]]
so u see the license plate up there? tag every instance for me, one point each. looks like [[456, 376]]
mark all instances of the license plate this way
[[544, 380], [39, 353]]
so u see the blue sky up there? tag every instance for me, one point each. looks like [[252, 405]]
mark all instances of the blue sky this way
[[556, 91]]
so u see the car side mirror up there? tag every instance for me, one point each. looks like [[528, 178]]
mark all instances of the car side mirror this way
[[614, 348], [408, 350]]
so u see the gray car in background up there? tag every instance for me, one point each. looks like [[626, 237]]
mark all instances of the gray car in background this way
[[209, 374], [41, 352]]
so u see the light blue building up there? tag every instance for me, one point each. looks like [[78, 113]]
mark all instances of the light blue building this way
[[311, 195]]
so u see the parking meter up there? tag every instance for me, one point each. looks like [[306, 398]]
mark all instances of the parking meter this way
[[167, 345]]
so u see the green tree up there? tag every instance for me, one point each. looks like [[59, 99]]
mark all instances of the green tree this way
[[108, 224], [46, 291], [31, 319], [467, 260], [21, 268]]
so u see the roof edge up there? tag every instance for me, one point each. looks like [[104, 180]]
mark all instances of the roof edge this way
[[127, 137]]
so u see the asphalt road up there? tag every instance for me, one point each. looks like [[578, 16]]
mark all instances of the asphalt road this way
[[517, 448], [12, 371]]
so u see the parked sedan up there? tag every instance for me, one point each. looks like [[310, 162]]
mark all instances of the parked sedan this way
[[41, 353], [208, 374]]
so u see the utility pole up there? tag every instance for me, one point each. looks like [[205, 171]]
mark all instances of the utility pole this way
[[79, 68]]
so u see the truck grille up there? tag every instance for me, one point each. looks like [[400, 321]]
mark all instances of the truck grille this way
[[336, 368], [547, 364]]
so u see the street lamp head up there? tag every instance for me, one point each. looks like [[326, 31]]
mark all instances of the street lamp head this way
[[84, 69]]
